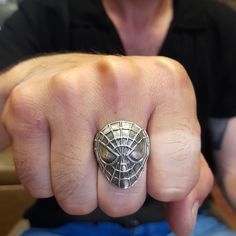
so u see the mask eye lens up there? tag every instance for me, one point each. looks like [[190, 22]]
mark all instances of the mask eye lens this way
[[138, 151], [106, 155]]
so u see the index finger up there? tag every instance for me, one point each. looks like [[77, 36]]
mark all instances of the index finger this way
[[173, 168]]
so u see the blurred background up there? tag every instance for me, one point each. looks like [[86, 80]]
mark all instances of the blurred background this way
[[7, 7], [231, 3]]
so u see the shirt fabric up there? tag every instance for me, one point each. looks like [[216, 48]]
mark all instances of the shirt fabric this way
[[205, 226], [201, 37]]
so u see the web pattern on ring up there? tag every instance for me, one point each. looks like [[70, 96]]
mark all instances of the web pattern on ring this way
[[122, 149]]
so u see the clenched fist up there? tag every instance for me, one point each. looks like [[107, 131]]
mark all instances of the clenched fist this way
[[53, 106]]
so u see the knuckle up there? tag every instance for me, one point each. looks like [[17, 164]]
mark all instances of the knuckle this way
[[173, 78], [109, 64], [71, 196], [39, 190], [118, 211], [31, 181], [77, 209], [72, 187], [173, 189], [178, 170], [187, 139], [118, 81], [21, 103], [63, 88], [70, 90], [167, 194], [23, 171], [72, 201], [23, 114], [116, 73], [64, 188], [119, 208]]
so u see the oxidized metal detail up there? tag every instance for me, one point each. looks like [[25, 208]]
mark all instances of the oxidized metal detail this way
[[122, 149]]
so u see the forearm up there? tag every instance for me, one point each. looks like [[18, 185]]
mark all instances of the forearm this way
[[225, 157], [227, 183]]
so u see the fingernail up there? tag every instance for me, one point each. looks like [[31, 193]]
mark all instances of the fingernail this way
[[195, 211]]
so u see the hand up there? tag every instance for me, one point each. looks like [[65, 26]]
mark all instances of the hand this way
[[53, 107]]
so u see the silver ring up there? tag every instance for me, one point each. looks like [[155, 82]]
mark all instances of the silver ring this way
[[122, 149]]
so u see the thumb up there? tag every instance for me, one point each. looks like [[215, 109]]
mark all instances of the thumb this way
[[182, 215]]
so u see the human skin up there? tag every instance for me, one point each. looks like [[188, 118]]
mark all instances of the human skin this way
[[53, 106], [142, 25]]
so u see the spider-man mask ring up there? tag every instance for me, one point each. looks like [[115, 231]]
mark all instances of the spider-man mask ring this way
[[122, 149]]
